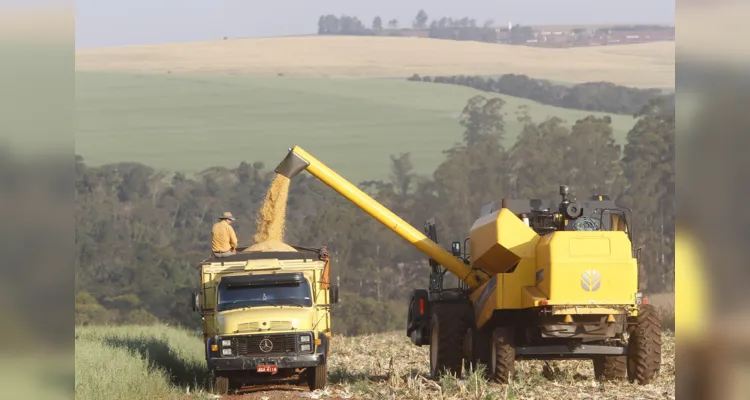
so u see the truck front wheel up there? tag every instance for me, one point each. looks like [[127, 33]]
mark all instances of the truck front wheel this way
[[221, 385], [317, 377]]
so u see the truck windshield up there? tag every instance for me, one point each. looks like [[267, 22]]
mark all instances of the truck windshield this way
[[286, 294]]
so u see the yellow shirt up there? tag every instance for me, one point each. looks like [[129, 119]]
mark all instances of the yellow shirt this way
[[223, 237]]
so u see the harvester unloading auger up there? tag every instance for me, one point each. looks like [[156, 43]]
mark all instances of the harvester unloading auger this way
[[543, 280]]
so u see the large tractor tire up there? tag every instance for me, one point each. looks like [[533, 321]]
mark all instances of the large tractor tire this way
[[644, 346], [610, 368], [502, 356], [469, 362], [447, 330], [317, 377], [476, 349]]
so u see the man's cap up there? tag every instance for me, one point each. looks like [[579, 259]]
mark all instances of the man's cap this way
[[227, 215]]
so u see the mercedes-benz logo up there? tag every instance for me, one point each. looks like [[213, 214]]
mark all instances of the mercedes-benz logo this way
[[265, 345]]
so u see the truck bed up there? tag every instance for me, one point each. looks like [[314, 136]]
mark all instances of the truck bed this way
[[300, 254]]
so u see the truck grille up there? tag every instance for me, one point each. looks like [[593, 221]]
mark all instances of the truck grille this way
[[255, 345]]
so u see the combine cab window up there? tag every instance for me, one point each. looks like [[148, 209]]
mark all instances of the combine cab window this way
[[286, 294]]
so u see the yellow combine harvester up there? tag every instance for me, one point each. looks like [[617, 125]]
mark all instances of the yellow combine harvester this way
[[542, 280]]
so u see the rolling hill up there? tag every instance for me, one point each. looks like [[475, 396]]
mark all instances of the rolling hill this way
[[189, 122], [639, 65]]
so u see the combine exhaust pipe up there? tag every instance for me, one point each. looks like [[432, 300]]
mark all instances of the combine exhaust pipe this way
[[298, 160]]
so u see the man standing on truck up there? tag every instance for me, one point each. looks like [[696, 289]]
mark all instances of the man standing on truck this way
[[223, 238]]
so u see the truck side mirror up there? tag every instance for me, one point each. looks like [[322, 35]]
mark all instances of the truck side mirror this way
[[456, 249], [196, 300], [334, 293]]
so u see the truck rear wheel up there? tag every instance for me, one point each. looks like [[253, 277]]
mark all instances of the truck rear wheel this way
[[502, 356], [447, 329], [317, 377], [610, 368], [644, 346]]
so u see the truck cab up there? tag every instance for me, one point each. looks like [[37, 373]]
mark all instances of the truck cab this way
[[266, 317]]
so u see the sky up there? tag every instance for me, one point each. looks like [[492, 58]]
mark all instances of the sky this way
[[132, 22]]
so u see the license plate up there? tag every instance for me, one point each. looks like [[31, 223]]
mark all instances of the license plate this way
[[267, 368]]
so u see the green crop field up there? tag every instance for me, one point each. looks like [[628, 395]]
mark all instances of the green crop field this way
[[191, 122]]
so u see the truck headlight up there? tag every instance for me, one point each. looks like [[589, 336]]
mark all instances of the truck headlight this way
[[226, 352], [304, 339], [226, 343], [305, 347]]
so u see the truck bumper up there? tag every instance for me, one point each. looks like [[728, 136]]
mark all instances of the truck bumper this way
[[251, 363]]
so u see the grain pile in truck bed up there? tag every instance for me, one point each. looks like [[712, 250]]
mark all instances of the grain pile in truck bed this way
[[271, 245]]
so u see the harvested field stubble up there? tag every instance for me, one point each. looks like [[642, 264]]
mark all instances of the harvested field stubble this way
[[389, 366]]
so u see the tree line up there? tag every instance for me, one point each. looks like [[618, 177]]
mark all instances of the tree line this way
[[140, 232], [445, 28], [591, 96], [637, 27]]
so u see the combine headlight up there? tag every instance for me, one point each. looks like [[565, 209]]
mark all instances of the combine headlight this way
[[305, 347], [226, 343], [226, 352]]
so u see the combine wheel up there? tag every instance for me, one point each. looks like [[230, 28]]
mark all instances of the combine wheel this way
[[502, 356], [476, 349], [644, 346], [469, 362], [447, 331], [610, 368], [317, 377]]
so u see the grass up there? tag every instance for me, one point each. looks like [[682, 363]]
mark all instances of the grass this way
[[162, 362], [640, 65], [139, 362], [189, 123]]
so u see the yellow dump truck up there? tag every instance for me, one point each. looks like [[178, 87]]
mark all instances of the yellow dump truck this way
[[542, 279], [266, 317]]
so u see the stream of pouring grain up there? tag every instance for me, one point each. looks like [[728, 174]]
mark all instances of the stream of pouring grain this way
[[271, 219]]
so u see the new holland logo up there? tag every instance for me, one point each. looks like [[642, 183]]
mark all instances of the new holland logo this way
[[591, 280]]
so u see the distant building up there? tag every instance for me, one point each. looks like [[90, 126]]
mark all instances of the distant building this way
[[503, 34]]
